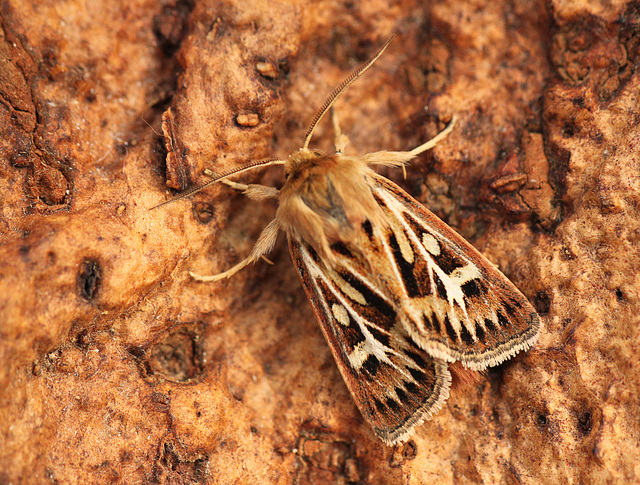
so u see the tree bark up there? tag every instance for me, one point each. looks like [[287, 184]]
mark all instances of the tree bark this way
[[116, 366]]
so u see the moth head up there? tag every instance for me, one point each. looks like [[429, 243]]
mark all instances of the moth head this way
[[298, 161]]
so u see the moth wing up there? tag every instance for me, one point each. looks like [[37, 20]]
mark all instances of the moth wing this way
[[395, 384], [454, 303]]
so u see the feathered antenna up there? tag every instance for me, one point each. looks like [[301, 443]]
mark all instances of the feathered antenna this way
[[335, 94], [219, 177]]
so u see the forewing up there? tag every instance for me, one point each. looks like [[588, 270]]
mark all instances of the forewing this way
[[395, 384], [453, 302]]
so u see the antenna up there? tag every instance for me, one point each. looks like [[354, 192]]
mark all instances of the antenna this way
[[219, 177], [340, 89], [316, 119]]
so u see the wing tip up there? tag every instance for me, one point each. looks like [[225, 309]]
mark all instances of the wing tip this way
[[508, 349], [440, 395]]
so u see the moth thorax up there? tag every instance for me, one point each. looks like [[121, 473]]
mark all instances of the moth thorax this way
[[326, 199]]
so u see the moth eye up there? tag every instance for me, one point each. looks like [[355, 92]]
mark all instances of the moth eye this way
[[317, 153]]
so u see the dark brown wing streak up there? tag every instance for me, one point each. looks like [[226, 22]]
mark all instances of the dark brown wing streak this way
[[456, 305], [394, 383]]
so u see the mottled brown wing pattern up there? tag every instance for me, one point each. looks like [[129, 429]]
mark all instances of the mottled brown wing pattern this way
[[395, 384], [454, 303]]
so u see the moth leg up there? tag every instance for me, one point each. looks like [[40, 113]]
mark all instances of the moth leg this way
[[340, 140], [253, 191], [434, 141], [264, 244], [400, 159]]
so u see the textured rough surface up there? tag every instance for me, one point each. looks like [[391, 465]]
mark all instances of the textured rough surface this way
[[115, 366]]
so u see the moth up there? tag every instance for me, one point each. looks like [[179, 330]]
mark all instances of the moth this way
[[398, 294]]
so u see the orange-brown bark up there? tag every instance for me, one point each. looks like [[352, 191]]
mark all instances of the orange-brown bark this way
[[115, 366]]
